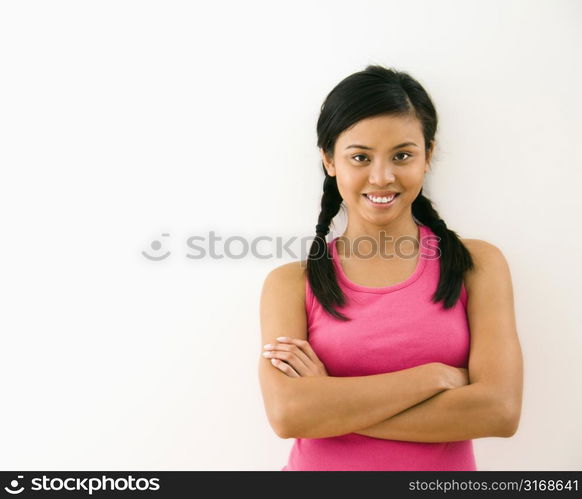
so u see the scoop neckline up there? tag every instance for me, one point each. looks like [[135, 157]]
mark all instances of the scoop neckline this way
[[420, 266]]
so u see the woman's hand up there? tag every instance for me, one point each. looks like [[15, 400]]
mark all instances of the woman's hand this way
[[294, 357], [454, 377]]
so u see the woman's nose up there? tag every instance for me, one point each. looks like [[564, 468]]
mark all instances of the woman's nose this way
[[382, 173]]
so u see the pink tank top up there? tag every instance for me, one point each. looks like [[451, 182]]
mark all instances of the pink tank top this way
[[392, 328]]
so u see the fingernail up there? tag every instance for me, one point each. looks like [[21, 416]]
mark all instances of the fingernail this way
[[266, 354], [282, 338], [268, 345]]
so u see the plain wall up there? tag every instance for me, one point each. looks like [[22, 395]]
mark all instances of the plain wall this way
[[122, 121]]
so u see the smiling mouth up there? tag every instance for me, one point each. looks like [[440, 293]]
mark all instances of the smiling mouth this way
[[381, 200]]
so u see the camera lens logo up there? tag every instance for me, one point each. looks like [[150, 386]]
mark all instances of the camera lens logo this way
[[14, 484], [156, 246]]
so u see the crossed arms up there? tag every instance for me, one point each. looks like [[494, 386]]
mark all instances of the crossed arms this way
[[417, 404]]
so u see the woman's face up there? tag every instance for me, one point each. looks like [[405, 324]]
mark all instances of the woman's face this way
[[370, 158]]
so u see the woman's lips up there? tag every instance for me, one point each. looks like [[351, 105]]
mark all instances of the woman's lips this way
[[381, 205]]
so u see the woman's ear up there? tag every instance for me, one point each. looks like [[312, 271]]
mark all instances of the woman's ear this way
[[429, 156], [327, 163]]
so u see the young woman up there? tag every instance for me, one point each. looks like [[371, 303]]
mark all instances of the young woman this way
[[395, 345]]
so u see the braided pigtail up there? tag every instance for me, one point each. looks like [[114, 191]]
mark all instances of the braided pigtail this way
[[320, 269], [455, 259]]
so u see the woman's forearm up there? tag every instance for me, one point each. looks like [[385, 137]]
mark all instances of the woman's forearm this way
[[327, 406], [462, 413]]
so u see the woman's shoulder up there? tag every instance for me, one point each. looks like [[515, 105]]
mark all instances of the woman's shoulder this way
[[481, 250], [290, 277], [487, 258], [291, 270]]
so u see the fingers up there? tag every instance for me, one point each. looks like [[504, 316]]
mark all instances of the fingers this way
[[286, 368], [297, 354], [292, 349], [293, 358], [303, 345]]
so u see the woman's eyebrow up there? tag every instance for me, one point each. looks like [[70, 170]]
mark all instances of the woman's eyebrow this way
[[404, 144]]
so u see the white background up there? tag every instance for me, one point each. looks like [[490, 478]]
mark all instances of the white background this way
[[121, 121]]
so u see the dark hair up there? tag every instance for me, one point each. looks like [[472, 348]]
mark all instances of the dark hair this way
[[378, 90]]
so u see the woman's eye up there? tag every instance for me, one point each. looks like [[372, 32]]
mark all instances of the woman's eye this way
[[403, 153], [364, 156]]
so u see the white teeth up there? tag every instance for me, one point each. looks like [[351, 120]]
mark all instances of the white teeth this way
[[381, 200]]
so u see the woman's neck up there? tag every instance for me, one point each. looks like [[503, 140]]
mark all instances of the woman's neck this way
[[369, 242]]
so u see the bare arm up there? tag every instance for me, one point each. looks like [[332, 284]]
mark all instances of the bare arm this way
[[321, 407], [325, 406], [460, 414], [490, 406]]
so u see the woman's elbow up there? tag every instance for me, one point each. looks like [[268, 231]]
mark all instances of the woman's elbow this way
[[284, 433], [280, 422], [508, 418], [277, 396], [280, 418]]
